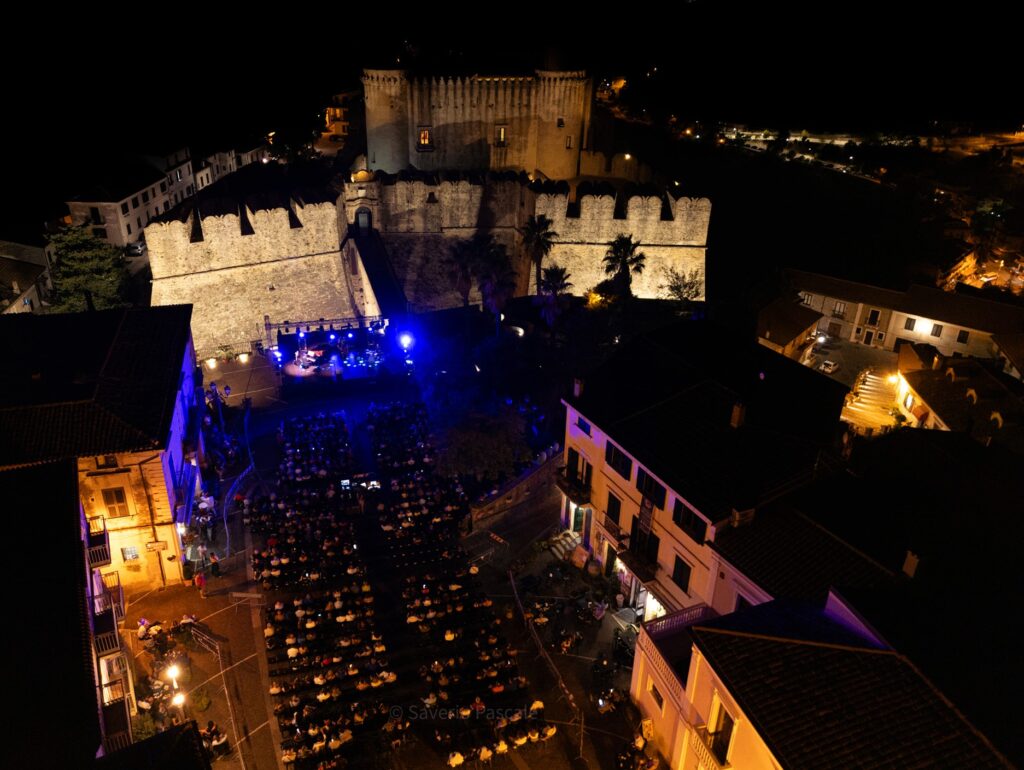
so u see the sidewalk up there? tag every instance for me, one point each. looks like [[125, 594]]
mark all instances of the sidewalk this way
[[237, 696]]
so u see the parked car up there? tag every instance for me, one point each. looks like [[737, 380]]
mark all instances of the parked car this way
[[988, 277], [136, 249], [828, 367]]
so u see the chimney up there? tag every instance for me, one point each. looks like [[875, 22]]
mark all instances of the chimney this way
[[910, 564], [739, 414], [577, 388]]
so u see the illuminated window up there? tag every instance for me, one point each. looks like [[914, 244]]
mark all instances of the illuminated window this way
[[839, 310], [805, 298], [908, 402], [178, 174], [425, 138], [115, 501], [500, 136], [130, 553]]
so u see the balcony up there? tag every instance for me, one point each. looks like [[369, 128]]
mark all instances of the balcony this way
[[573, 487], [97, 543], [117, 726], [111, 597], [105, 635], [612, 529], [709, 748], [644, 570]]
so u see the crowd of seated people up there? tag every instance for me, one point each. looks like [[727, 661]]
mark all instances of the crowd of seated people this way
[[473, 691], [328, 663]]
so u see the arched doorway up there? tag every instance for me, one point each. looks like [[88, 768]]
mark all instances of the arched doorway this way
[[364, 219]]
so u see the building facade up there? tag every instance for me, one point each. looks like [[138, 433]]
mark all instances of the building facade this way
[[130, 194], [955, 323]]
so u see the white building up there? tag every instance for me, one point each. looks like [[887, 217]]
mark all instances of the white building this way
[[128, 194], [955, 323], [217, 165]]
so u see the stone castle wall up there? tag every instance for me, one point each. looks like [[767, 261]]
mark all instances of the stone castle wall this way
[[279, 270], [419, 219]]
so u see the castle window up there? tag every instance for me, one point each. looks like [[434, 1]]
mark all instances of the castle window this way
[[425, 138], [500, 136], [568, 142]]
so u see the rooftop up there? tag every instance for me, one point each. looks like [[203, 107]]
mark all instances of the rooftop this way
[[120, 179], [926, 301], [783, 321], [54, 659], [683, 382], [821, 696], [788, 555], [965, 394], [257, 187], [177, 748], [84, 384]]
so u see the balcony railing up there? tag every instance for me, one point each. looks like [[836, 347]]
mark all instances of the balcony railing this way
[[612, 529], [112, 596], [708, 748], [117, 725], [105, 634], [98, 543], [688, 616], [573, 487]]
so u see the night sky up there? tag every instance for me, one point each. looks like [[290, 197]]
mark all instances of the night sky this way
[[180, 78]]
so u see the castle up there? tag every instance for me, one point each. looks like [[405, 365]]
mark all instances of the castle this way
[[446, 159], [537, 124]]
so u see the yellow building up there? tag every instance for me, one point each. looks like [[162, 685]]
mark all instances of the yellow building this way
[[115, 390], [784, 686]]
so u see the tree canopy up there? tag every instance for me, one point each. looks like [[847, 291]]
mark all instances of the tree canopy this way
[[83, 263], [538, 238], [622, 259]]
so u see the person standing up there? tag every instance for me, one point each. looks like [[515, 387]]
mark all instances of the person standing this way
[[214, 565], [200, 582]]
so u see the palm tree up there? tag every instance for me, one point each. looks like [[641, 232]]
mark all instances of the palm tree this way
[[553, 286], [496, 278], [538, 238], [622, 260]]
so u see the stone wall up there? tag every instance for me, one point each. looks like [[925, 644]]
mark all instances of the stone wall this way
[[288, 267]]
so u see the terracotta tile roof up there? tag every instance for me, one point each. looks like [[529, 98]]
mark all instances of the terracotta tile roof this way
[[821, 702]]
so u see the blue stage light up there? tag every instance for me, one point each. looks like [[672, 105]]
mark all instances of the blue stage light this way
[[333, 337], [302, 334], [405, 340], [351, 335]]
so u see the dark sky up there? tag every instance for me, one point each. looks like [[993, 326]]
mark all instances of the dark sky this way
[[90, 90]]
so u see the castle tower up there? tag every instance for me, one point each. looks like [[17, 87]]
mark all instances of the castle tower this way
[[562, 113], [387, 121]]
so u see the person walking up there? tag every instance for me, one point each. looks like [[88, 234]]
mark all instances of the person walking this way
[[200, 582]]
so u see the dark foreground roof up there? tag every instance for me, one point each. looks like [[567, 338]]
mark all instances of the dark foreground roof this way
[[788, 555], [822, 698], [83, 384], [667, 399], [179, 748], [783, 321], [49, 664]]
